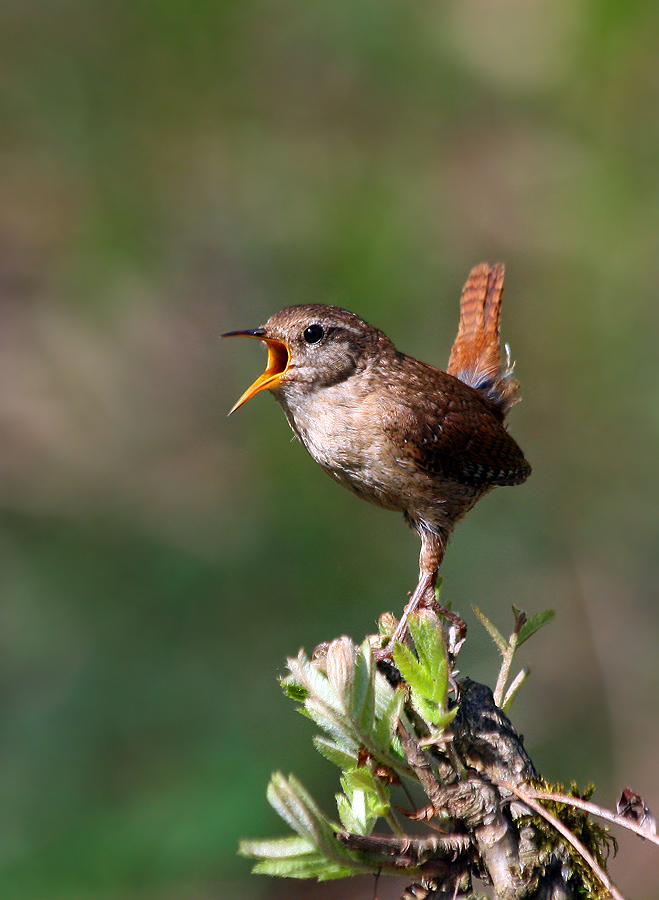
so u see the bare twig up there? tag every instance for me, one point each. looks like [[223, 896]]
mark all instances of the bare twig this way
[[512, 691], [565, 832], [504, 671], [596, 810]]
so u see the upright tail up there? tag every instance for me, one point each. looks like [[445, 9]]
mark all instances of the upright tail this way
[[476, 353]]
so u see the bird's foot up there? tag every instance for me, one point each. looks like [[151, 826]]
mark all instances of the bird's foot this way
[[425, 588], [424, 597], [384, 653], [451, 617], [399, 635]]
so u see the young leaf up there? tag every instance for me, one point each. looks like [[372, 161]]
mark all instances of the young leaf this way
[[431, 650], [354, 813], [339, 727], [348, 818], [314, 681], [443, 720], [413, 672], [512, 691], [363, 700], [491, 629], [296, 807], [363, 801], [336, 754], [276, 848], [311, 865], [340, 667], [388, 719], [293, 689], [535, 623], [429, 643]]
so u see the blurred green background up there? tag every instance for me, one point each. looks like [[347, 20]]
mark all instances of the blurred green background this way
[[171, 170]]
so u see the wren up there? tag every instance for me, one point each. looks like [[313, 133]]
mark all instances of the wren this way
[[393, 430]]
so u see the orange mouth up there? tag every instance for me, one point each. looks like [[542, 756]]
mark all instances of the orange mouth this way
[[279, 359]]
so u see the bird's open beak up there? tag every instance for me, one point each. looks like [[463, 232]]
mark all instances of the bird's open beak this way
[[279, 358]]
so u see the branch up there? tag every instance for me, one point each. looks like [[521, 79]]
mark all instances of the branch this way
[[596, 810], [569, 837]]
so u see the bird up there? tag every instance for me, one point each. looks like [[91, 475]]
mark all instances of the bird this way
[[396, 431]]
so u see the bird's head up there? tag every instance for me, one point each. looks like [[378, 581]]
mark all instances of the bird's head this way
[[312, 346]]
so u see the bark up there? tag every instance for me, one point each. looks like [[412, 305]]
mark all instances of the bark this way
[[487, 832]]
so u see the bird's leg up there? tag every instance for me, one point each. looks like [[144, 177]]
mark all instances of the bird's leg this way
[[433, 546], [430, 558], [419, 598]]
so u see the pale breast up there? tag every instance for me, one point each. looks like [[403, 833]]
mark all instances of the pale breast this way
[[341, 427]]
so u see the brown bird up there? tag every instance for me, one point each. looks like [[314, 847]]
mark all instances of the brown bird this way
[[393, 430]]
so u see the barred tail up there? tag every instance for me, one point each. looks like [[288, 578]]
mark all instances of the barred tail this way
[[476, 353]]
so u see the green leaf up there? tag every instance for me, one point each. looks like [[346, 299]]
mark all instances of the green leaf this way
[[428, 642], [297, 808], [354, 813], [431, 650], [535, 623], [364, 801], [314, 865], [276, 848], [348, 819], [293, 689], [363, 700], [388, 719], [335, 721], [340, 667], [492, 630], [315, 682], [425, 708], [315, 852], [427, 672], [412, 671], [443, 720], [343, 758], [360, 779]]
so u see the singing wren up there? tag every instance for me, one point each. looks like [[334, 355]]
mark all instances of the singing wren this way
[[392, 429]]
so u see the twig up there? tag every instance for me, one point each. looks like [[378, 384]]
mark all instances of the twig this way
[[511, 693], [569, 837], [504, 671], [596, 811]]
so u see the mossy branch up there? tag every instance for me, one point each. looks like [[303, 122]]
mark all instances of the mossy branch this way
[[407, 729]]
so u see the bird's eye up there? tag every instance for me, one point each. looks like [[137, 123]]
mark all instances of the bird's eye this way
[[314, 333]]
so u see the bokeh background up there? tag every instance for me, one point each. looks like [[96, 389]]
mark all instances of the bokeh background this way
[[171, 170]]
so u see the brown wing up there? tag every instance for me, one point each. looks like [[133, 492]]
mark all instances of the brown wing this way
[[451, 431], [476, 354]]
